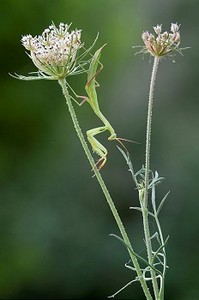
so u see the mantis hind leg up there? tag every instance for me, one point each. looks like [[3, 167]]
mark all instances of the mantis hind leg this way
[[97, 146]]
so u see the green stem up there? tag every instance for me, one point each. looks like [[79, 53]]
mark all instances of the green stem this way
[[111, 204], [147, 171], [161, 295]]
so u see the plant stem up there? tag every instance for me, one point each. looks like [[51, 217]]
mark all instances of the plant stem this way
[[111, 204], [147, 171], [161, 294]]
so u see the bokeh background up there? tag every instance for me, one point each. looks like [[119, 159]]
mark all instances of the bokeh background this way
[[54, 220]]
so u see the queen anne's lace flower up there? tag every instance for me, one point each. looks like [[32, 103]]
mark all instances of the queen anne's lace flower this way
[[162, 43], [55, 51]]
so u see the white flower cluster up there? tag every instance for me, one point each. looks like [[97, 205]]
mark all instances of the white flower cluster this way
[[54, 52], [164, 43]]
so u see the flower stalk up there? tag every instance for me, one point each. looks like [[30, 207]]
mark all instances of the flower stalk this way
[[158, 45], [145, 210]]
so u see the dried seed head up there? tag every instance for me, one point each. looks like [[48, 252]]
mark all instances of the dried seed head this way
[[163, 43]]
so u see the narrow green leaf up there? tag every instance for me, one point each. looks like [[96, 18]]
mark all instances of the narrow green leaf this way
[[162, 203], [161, 247]]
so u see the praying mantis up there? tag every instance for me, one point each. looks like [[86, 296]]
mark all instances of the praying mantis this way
[[92, 99]]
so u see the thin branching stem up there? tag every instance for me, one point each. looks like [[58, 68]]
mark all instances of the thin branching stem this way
[[161, 294], [145, 213], [111, 204]]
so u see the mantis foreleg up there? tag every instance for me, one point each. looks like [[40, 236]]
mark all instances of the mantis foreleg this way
[[96, 145], [84, 98]]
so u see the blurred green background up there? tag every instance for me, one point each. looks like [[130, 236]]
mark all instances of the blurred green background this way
[[54, 220]]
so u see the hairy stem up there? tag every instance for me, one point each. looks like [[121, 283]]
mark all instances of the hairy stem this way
[[111, 204], [147, 171]]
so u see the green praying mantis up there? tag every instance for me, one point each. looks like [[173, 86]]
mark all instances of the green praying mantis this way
[[92, 99]]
